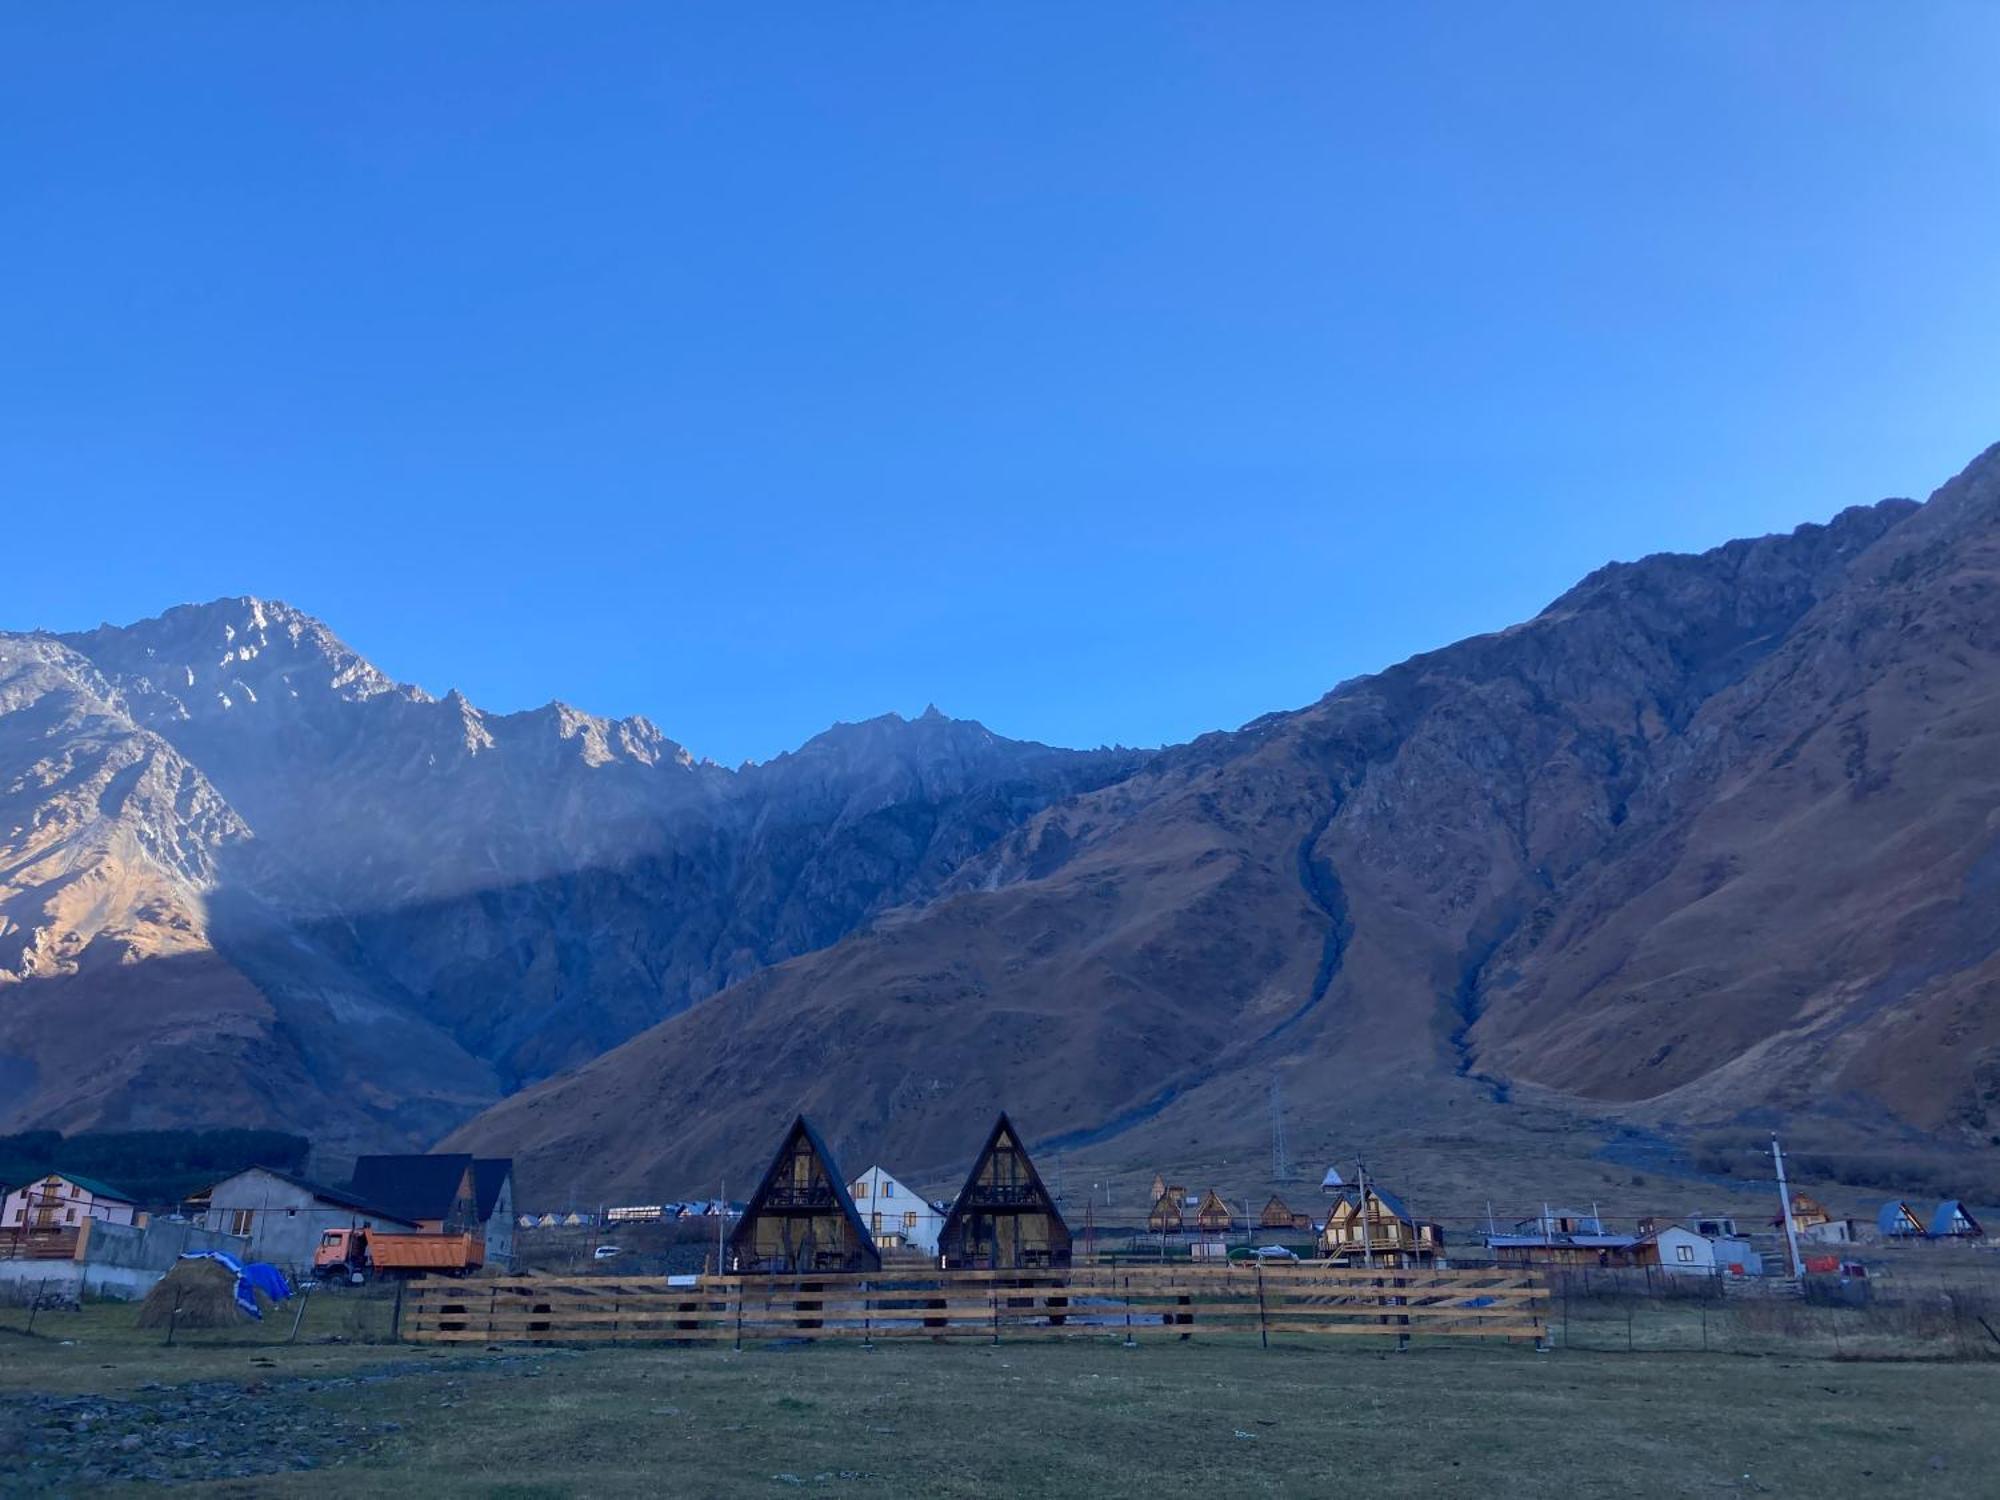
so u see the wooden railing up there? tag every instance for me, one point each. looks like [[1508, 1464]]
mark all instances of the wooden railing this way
[[1132, 1303]]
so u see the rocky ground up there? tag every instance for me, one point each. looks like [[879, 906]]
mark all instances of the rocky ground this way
[[210, 1430]]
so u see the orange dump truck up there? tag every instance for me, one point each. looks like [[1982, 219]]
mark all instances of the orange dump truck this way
[[367, 1252]]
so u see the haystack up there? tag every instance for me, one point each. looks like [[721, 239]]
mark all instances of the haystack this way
[[205, 1292]]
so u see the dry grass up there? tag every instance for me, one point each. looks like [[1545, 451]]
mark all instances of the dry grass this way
[[1085, 1417]]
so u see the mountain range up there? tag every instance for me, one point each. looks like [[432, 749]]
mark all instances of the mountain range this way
[[1711, 842]]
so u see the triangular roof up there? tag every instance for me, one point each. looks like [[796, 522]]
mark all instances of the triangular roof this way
[[1897, 1217], [1350, 1194], [1212, 1196], [489, 1174], [841, 1201], [413, 1187], [966, 1201], [1946, 1215], [1333, 1179]]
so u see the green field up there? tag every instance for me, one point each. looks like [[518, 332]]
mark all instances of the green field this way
[[90, 1401]]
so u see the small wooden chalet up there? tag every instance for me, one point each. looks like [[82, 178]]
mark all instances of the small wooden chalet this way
[[1214, 1217], [1896, 1220], [801, 1217], [1278, 1214], [1166, 1216], [1375, 1226], [1952, 1220], [1003, 1218], [1159, 1187]]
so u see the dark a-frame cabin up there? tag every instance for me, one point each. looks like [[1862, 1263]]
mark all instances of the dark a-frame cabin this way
[[801, 1218], [1003, 1218]]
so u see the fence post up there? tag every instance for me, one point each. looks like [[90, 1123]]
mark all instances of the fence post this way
[[395, 1316], [300, 1316], [741, 1292], [993, 1293], [1126, 1281], [1263, 1322]]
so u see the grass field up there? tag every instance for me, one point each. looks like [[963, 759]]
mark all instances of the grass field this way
[[91, 1402]]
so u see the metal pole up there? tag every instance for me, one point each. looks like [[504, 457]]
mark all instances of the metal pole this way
[[1263, 1327], [1361, 1187], [721, 1219], [1785, 1209]]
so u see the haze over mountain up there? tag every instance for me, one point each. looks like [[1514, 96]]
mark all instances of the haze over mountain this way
[[1710, 840], [385, 910]]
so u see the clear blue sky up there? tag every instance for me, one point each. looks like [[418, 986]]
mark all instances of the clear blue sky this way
[[1108, 373]]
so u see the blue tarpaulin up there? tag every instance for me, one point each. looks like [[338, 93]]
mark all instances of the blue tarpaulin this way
[[257, 1276]]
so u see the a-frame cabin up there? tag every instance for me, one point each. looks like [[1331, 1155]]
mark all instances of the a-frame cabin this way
[[1003, 1218], [801, 1217]]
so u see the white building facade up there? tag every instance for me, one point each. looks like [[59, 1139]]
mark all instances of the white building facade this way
[[894, 1214]]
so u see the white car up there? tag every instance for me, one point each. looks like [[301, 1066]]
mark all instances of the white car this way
[[1274, 1252], [605, 1252]]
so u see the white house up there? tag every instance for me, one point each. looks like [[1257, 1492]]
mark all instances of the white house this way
[[895, 1215], [1683, 1252], [63, 1200]]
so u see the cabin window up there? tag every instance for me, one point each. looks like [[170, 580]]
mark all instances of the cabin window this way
[[888, 1190], [910, 1219], [239, 1220], [70, 1216], [1684, 1253], [861, 1189], [875, 1223]]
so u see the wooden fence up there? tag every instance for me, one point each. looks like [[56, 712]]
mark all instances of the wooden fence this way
[[1139, 1302]]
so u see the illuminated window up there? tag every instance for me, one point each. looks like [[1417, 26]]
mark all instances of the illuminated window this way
[[910, 1219], [861, 1188], [1684, 1253]]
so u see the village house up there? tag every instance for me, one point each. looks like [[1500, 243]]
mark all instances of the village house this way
[[1278, 1214], [1896, 1220], [801, 1218], [1213, 1216], [63, 1200], [1373, 1227], [1004, 1218], [1952, 1220], [1165, 1217], [283, 1216], [1813, 1224], [895, 1216], [445, 1193], [1679, 1250]]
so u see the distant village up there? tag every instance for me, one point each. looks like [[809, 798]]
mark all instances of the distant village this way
[[455, 1214]]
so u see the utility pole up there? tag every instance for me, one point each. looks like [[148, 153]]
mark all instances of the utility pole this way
[[1785, 1208], [721, 1219], [1361, 1187]]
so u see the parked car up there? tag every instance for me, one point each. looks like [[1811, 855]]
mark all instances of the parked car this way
[[1274, 1252], [605, 1252]]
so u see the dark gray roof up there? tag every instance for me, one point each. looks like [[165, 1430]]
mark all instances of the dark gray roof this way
[[488, 1173], [412, 1187], [337, 1196]]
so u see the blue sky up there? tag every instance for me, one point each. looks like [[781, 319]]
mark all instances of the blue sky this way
[[1107, 373]]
